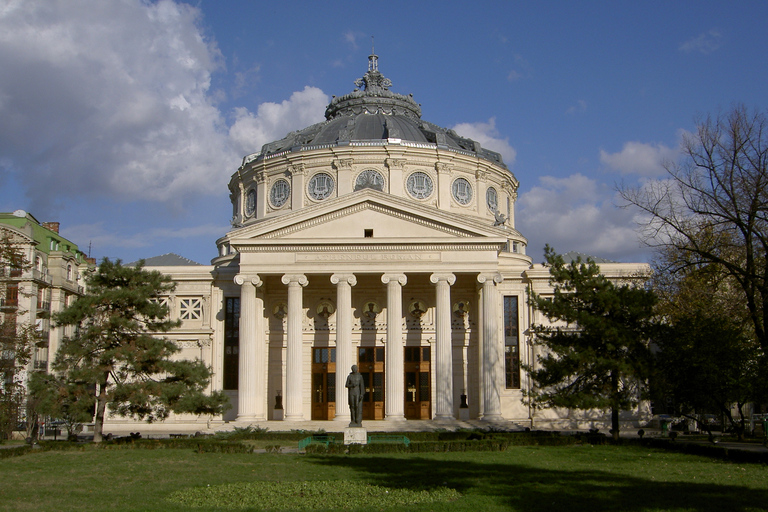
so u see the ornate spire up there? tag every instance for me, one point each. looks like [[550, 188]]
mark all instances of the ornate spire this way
[[373, 59], [373, 82]]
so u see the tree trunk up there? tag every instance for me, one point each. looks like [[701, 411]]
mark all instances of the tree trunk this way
[[101, 406]]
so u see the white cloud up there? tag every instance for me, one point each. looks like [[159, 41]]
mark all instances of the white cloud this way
[[488, 137], [640, 158], [123, 110], [101, 236], [575, 213], [95, 106], [705, 43], [274, 121]]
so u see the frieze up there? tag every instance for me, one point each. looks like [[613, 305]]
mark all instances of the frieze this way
[[371, 256]]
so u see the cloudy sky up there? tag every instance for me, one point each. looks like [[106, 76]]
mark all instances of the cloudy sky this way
[[123, 119]]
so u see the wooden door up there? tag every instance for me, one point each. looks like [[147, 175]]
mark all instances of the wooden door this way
[[418, 405], [370, 363], [323, 383]]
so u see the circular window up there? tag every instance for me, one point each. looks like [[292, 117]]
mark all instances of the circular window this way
[[369, 179], [492, 199], [250, 203], [320, 186], [279, 193], [462, 191], [419, 185]]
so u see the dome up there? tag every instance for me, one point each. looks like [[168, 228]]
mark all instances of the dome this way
[[374, 113]]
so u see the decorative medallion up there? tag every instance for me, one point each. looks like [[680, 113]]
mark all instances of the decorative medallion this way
[[419, 185], [461, 308], [417, 308], [369, 179], [371, 310], [492, 199], [325, 309], [320, 186], [279, 193], [250, 203], [280, 310], [462, 191]]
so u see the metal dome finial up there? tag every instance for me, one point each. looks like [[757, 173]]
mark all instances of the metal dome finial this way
[[373, 59]]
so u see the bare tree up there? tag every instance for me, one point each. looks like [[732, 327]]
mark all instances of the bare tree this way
[[712, 208]]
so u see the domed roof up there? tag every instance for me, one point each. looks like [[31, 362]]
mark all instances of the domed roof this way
[[374, 113]]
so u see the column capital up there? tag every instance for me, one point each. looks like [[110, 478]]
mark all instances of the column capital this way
[[254, 279], [443, 276], [295, 278], [493, 277], [400, 278], [350, 279]]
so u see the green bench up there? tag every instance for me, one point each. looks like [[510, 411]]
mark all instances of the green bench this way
[[389, 440], [319, 439]]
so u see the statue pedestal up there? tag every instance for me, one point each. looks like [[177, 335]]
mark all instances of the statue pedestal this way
[[355, 435]]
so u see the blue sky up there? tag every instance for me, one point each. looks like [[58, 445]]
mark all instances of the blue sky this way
[[124, 119]]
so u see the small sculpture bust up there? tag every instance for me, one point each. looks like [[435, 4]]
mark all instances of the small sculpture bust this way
[[355, 392]]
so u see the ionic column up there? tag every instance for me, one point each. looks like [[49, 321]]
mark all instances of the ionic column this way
[[444, 348], [251, 386], [344, 355], [294, 369], [491, 353], [394, 405]]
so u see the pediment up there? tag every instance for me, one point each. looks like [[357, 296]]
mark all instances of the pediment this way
[[386, 217]]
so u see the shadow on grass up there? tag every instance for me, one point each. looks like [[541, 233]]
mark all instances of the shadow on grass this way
[[531, 489]]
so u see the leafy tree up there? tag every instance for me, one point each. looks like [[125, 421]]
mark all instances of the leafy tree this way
[[707, 364], [712, 207], [114, 358], [597, 346], [708, 360], [17, 339]]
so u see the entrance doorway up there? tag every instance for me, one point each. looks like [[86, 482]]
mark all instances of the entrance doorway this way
[[323, 383], [370, 363], [417, 383]]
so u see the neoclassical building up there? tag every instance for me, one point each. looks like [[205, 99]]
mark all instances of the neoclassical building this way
[[372, 238]]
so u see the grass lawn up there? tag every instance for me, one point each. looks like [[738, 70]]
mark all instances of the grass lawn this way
[[530, 479]]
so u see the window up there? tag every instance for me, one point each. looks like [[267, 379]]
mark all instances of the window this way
[[69, 272], [191, 309], [462, 191], [231, 342], [368, 233], [511, 343], [419, 185]]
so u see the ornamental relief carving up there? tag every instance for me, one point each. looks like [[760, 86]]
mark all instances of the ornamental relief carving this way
[[343, 163], [297, 169]]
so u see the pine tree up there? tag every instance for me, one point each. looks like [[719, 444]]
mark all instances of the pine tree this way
[[116, 357], [596, 348]]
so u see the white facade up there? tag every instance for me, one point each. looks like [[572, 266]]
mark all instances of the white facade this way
[[374, 239]]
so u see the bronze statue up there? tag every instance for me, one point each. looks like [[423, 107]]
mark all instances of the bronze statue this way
[[356, 391]]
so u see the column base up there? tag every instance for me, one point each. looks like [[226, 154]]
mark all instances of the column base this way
[[492, 417], [295, 417], [249, 419], [395, 417], [444, 417]]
